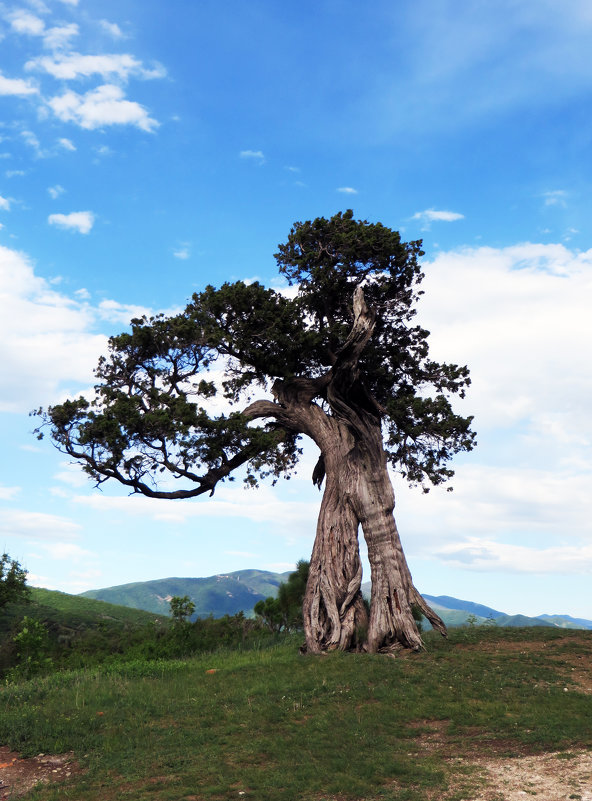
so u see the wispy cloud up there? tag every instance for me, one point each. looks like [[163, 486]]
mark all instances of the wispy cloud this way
[[55, 191], [4, 203], [33, 142], [70, 66], [67, 550], [555, 197], [254, 155], [112, 28], [428, 216], [483, 555], [37, 525], [347, 190], [67, 144], [100, 107], [182, 252], [81, 221]]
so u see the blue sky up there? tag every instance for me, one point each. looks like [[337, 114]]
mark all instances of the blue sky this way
[[147, 149]]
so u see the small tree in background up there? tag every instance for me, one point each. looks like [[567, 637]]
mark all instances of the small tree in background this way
[[181, 609], [32, 646], [285, 611], [13, 578], [270, 613]]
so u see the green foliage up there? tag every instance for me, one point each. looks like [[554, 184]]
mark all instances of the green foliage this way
[[181, 609], [32, 647], [13, 578], [79, 631], [270, 612], [149, 415], [285, 611]]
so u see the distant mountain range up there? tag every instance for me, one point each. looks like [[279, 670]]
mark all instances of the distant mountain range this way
[[227, 594], [455, 612]]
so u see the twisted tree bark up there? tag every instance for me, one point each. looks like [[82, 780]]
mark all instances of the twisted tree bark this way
[[358, 491]]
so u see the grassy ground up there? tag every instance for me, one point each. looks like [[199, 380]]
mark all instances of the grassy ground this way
[[271, 724]]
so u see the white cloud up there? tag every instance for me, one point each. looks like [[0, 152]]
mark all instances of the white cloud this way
[[486, 556], [24, 22], [55, 191], [4, 204], [433, 215], [37, 525], [116, 312], [46, 338], [81, 221], [17, 87], [348, 190], [70, 2], [14, 173], [6, 493], [112, 28], [105, 105], [67, 144], [182, 252], [58, 37], [519, 317], [253, 155], [71, 66]]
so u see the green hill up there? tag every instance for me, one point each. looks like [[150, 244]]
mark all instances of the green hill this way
[[80, 628], [224, 594], [73, 612]]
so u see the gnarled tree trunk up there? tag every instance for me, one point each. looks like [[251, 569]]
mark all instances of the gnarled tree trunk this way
[[334, 613], [358, 492]]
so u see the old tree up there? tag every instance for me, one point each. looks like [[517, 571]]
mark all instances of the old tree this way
[[339, 360]]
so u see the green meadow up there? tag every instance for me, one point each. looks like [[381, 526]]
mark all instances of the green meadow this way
[[268, 723]]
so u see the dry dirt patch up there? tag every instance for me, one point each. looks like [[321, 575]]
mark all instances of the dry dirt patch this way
[[18, 776], [549, 777]]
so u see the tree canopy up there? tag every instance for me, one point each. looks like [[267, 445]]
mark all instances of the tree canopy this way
[[152, 411]]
